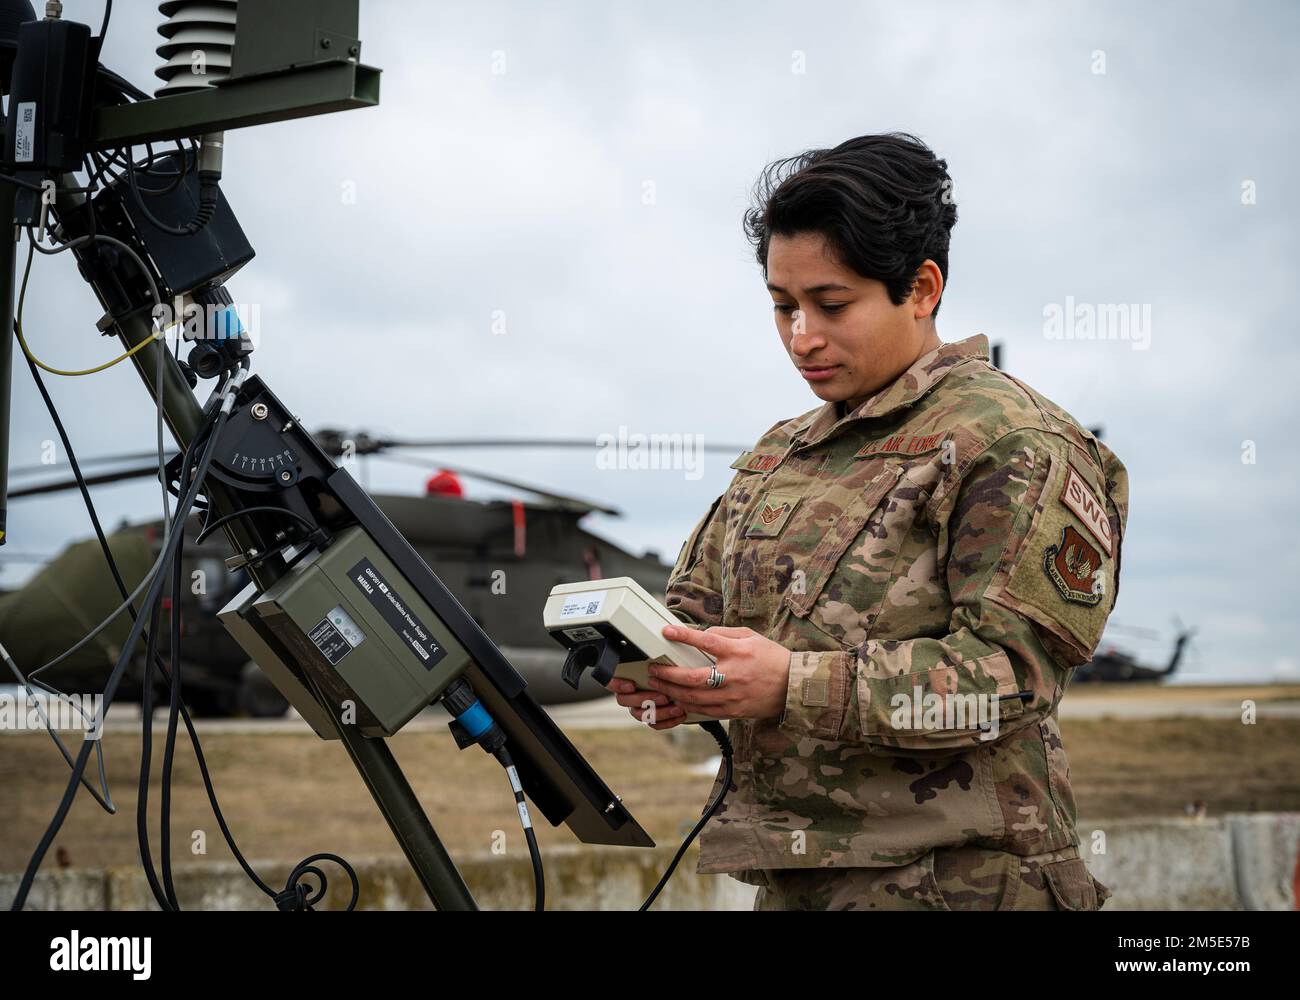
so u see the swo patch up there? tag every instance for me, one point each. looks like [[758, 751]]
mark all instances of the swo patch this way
[[1078, 496]]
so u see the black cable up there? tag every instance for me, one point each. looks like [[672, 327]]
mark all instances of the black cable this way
[[95, 523], [146, 759], [92, 220], [119, 157], [115, 678], [295, 895], [97, 168], [208, 529], [125, 89], [271, 554], [212, 794], [101, 170], [121, 85], [719, 734], [175, 704], [208, 193], [62, 246], [165, 895], [184, 163], [108, 14], [117, 577], [179, 176], [539, 876], [173, 714]]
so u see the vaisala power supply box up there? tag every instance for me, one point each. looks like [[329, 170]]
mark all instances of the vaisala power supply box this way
[[351, 618], [356, 630]]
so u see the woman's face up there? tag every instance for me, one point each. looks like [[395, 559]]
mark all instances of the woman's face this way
[[841, 330]]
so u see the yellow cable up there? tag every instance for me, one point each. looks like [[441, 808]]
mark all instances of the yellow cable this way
[[18, 330]]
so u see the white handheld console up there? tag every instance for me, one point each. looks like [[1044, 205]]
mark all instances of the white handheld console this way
[[614, 628]]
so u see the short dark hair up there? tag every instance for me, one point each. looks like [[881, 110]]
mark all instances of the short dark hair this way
[[884, 203]]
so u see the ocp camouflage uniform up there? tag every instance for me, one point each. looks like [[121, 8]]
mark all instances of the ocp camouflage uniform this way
[[955, 535]]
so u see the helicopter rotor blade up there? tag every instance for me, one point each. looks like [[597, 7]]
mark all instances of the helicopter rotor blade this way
[[570, 502], [579, 443], [363, 443], [24, 558], [130, 456], [1135, 631], [103, 479], [333, 442]]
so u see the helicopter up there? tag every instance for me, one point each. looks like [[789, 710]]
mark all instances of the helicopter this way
[[500, 558], [1113, 666]]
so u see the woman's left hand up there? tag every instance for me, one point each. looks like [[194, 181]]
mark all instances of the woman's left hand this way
[[757, 672]]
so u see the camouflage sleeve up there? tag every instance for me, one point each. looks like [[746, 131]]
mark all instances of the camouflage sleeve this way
[[1032, 547], [694, 592]]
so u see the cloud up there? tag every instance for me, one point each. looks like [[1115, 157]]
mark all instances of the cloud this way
[[589, 199]]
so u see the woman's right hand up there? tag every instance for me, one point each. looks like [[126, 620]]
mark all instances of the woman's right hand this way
[[641, 702]]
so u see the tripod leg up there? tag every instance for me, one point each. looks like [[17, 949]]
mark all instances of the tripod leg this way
[[406, 818]]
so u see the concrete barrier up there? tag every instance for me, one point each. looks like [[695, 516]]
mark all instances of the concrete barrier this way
[[1245, 861], [1166, 864], [72, 889], [577, 878], [1266, 859]]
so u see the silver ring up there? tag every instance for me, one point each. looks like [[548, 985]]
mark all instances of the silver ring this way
[[716, 677]]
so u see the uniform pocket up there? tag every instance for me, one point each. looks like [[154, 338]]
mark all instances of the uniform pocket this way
[[745, 566], [1058, 769], [927, 710], [976, 878], [1073, 887], [842, 600]]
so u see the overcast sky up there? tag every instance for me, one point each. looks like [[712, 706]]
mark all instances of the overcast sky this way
[[574, 174]]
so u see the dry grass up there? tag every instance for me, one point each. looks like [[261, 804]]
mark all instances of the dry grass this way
[[288, 795]]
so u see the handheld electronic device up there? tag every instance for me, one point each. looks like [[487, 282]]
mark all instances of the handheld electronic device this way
[[614, 628]]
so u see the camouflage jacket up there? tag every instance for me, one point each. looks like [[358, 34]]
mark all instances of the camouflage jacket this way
[[952, 540]]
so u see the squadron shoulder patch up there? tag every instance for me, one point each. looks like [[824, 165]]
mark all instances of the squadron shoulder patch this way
[[1074, 566], [1078, 496]]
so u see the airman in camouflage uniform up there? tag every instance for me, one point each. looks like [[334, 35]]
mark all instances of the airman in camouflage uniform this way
[[952, 542], [897, 585]]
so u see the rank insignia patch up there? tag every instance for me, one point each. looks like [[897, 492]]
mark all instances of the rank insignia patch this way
[[771, 514], [1074, 566]]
